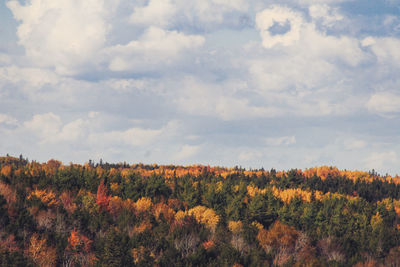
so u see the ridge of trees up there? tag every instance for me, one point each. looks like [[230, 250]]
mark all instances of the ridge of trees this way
[[100, 214]]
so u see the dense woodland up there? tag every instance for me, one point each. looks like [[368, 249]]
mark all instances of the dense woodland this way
[[148, 215]]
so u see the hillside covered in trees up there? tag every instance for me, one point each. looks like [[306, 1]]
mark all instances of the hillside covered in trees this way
[[148, 215]]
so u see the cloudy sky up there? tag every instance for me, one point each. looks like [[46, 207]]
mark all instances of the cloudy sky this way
[[282, 84]]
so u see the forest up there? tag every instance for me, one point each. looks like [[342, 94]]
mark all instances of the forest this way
[[102, 214]]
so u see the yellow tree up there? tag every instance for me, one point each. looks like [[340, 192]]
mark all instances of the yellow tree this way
[[40, 253], [45, 196], [143, 204], [206, 216], [6, 170], [163, 209]]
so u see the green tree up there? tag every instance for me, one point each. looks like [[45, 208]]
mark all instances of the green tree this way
[[116, 250]]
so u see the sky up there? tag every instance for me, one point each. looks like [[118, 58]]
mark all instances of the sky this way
[[258, 84]]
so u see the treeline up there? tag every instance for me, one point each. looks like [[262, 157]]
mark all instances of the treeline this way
[[148, 215]]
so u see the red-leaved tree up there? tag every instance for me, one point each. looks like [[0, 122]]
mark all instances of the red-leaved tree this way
[[103, 197]]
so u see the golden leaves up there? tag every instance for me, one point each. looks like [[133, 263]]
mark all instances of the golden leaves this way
[[143, 226], [6, 170], [391, 204], [323, 172], [51, 166], [170, 171], [143, 204], [329, 171], [115, 188], [202, 215], [180, 215], [287, 195], [115, 205], [34, 169], [258, 225], [45, 196], [235, 227], [205, 216], [163, 209], [376, 221], [138, 254], [219, 186], [41, 254], [252, 191]]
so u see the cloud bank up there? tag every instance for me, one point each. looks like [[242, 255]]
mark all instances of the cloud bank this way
[[255, 83]]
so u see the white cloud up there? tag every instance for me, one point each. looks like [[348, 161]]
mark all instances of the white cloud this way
[[368, 41], [50, 129], [72, 131], [30, 79], [198, 14], [281, 141], [305, 71], [134, 136], [62, 34], [156, 13], [8, 120], [280, 73], [344, 48], [249, 156], [304, 39], [354, 144], [301, 86], [326, 14], [186, 152], [300, 62], [384, 103], [386, 49], [380, 160], [231, 4], [155, 48], [201, 98], [45, 125], [93, 114], [311, 2], [281, 15], [210, 11], [231, 108], [4, 59]]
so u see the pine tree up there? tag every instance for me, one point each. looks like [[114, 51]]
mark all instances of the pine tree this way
[[116, 252]]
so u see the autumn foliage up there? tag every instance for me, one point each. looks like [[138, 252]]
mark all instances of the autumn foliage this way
[[68, 202], [102, 197], [280, 235], [8, 243], [8, 193], [45, 196], [40, 252], [205, 216], [103, 214]]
